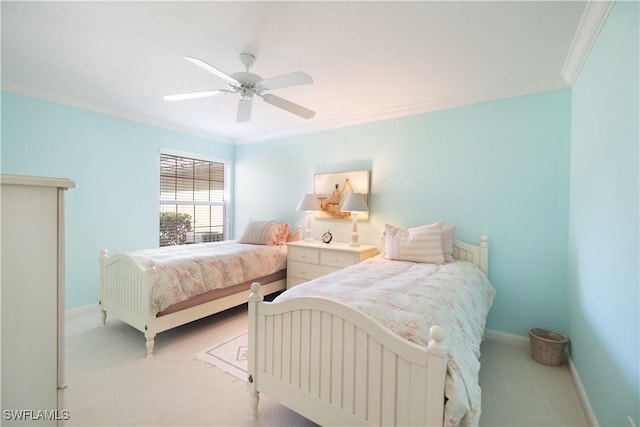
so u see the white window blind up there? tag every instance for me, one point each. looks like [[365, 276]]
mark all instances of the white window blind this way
[[192, 205]]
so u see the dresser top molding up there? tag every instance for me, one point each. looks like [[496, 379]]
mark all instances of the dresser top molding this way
[[40, 181], [338, 246]]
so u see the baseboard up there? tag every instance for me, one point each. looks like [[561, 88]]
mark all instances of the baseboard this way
[[582, 395], [79, 311]]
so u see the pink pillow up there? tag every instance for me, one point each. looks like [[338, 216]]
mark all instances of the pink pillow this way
[[284, 233]]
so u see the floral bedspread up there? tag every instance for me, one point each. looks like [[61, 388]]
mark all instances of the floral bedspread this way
[[188, 270], [411, 297]]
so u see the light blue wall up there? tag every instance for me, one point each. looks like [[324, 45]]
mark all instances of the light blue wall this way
[[603, 249], [115, 164], [498, 169]]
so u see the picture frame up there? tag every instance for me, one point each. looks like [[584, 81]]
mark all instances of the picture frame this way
[[332, 189]]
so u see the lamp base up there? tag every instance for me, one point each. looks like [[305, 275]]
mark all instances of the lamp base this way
[[308, 235], [354, 240]]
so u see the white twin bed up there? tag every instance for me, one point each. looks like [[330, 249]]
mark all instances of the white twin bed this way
[[384, 342], [158, 289]]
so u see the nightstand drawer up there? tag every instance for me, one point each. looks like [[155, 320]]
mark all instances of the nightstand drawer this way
[[307, 271], [311, 255], [338, 259]]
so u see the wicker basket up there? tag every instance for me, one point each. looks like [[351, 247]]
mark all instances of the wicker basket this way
[[547, 347]]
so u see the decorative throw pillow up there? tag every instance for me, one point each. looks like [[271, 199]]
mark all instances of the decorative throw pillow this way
[[447, 242], [417, 244], [284, 233], [262, 233]]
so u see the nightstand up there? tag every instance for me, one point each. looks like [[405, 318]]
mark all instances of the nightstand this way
[[309, 260]]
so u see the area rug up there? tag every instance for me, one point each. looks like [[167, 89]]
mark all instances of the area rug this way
[[229, 356]]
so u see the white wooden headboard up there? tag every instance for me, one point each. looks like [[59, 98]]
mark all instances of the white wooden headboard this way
[[462, 251], [475, 254]]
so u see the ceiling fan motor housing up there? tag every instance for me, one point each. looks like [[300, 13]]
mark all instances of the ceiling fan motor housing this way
[[248, 83]]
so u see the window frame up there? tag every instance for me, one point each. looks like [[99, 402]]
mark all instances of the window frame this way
[[226, 203]]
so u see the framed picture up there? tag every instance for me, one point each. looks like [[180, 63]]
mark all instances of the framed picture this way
[[332, 190]]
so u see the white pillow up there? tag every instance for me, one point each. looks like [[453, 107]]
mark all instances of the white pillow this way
[[264, 233], [417, 244]]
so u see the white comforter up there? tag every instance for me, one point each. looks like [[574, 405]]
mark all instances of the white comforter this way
[[188, 270], [411, 297]]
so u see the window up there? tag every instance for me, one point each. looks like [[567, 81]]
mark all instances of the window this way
[[192, 200]]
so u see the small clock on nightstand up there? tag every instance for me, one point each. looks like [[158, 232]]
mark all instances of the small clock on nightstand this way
[[326, 237]]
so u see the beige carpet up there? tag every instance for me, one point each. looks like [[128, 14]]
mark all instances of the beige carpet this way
[[111, 383]]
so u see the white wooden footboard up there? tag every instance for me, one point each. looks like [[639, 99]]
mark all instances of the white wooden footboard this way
[[125, 291], [337, 366]]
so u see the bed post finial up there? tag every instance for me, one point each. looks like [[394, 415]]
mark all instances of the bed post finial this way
[[255, 294], [437, 338], [149, 265]]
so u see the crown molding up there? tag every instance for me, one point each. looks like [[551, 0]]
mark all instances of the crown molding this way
[[113, 112], [445, 103], [460, 100], [593, 18]]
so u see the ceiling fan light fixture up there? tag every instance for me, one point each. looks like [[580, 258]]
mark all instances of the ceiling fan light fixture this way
[[246, 94]]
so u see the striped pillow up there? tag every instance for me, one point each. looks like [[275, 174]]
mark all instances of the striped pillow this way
[[418, 244], [264, 233]]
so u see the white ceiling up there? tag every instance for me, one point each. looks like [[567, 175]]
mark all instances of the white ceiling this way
[[369, 60]]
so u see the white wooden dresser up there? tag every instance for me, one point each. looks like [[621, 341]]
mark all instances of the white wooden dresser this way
[[309, 260], [32, 299]]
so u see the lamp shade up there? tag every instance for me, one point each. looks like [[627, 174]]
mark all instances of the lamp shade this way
[[309, 202], [354, 203]]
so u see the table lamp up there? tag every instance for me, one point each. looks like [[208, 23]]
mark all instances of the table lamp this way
[[354, 203], [309, 203]]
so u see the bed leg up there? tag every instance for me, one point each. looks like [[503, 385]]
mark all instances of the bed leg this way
[[150, 343], [103, 316], [254, 399], [255, 297]]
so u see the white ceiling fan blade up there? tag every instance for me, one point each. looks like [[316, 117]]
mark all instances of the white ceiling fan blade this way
[[194, 95], [285, 80], [213, 70], [289, 106], [244, 110]]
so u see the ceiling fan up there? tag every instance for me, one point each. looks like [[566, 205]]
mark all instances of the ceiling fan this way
[[247, 85]]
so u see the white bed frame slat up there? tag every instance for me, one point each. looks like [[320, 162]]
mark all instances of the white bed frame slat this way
[[337, 366]]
